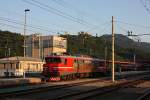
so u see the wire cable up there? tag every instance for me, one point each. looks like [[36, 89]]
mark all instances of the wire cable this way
[[56, 12], [135, 25], [45, 5], [145, 5], [32, 18], [68, 5], [21, 23]]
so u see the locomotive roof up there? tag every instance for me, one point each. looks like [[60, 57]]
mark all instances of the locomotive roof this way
[[75, 57]]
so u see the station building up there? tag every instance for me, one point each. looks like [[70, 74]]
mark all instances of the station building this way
[[20, 66], [38, 46]]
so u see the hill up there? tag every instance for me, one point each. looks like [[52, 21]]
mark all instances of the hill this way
[[125, 42], [10, 44], [125, 48]]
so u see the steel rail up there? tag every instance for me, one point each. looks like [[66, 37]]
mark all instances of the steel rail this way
[[51, 88], [83, 95]]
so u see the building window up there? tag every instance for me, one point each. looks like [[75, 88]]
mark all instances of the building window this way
[[17, 65], [12, 74], [28, 67], [11, 65], [6, 74], [37, 67], [4, 66], [20, 66]]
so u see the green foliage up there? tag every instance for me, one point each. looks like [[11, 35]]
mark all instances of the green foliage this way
[[86, 44], [10, 43]]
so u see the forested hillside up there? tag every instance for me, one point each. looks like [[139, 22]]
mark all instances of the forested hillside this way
[[11, 44], [100, 47]]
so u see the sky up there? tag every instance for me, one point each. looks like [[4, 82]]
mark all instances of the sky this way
[[49, 17]]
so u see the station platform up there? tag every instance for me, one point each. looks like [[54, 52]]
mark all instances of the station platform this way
[[10, 82], [18, 81], [130, 72]]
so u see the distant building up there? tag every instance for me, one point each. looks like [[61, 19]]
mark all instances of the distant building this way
[[18, 66], [41, 46]]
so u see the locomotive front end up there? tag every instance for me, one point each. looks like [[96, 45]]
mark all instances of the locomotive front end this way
[[51, 70]]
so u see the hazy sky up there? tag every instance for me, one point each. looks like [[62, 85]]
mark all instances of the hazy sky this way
[[94, 16]]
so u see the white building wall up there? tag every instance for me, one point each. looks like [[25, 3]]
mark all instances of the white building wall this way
[[17, 68]]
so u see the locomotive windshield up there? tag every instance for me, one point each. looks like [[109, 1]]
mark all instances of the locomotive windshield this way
[[55, 60]]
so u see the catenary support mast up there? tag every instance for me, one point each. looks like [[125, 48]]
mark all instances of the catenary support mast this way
[[113, 43]]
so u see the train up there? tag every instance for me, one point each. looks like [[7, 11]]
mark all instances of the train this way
[[64, 67]]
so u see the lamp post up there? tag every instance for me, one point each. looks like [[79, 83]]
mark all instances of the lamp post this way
[[25, 11]]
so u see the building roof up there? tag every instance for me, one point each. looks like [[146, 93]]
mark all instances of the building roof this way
[[17, 58]]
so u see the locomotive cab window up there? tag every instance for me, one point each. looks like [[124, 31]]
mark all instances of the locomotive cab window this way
[[56, 60], [64, 60]]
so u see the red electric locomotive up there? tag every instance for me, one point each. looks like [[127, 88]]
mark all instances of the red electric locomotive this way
[[70, 67]]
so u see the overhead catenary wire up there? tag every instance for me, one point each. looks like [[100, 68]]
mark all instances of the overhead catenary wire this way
[[57, 12], [106, 25], [123, 29], [16, 27], [144, 3], [21, 23], [48, 10], [135, 25], [97, 26], [33, 19], [66, 14], [135, 35], [72, 7]]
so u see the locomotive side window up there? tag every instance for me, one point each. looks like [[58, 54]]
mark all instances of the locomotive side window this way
[[87, 61], [96, 63], [101, 64], [80, 61], [83, 61], [75, 61]]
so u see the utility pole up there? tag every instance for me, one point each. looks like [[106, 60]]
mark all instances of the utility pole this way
[[105, 54], [39, 47], [134, 58], [113, 44], [8, 52], [32, 50]]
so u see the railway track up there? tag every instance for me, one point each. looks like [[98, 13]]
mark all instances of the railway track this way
[[55, 88], [49, 88], [145, 96], [87, 95]]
